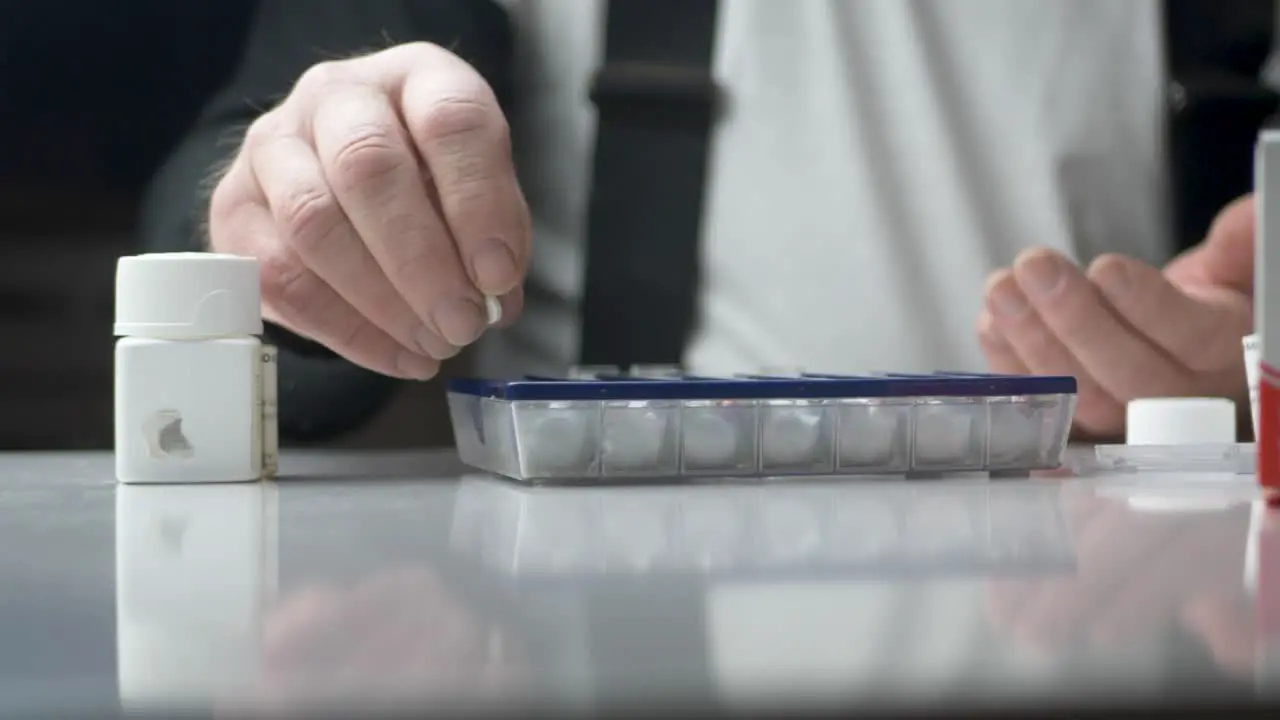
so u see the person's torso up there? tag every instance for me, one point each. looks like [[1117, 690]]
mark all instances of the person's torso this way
[[876, 162]]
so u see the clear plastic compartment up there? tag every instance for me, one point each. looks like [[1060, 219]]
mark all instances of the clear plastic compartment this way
[[1028, 432], [949, 434], [955, 423], [718, 437], [797, 436]]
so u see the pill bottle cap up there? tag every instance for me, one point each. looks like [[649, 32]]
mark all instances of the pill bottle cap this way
[[187, 296], [1180, 421]]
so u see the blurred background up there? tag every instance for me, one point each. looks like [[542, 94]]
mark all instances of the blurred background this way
[[93, 96]]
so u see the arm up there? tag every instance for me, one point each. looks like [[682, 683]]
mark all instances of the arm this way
[[321, 395]]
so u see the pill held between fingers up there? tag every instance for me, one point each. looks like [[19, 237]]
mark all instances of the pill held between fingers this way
[[493, 308]]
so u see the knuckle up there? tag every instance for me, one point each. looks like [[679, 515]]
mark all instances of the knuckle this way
[[366, 154], [262, 130], [284, 286], [467, 179], [320, 76], [417, 261], [308, 214], [457, 120], [422, 264], [420, 49]]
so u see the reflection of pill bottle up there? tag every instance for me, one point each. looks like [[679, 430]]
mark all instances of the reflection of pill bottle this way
[[195, 574], [194, 386]]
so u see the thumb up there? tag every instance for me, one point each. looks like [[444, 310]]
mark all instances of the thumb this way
[[1225, 257]]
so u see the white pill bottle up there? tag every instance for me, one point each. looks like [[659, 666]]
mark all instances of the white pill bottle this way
[[195, 386]]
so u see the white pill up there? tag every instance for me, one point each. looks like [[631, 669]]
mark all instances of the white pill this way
[[791, 435], [944, 434], [710, 438], [868, 435], [633, 437], [555, 438], [493, 308], [1015, 432]]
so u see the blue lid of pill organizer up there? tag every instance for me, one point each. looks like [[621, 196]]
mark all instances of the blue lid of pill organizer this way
[[809, 386]]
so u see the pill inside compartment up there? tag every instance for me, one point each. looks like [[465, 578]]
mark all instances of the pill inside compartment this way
[[718, 437], [557, 439], [797, 436], [949, 434], [1027, 432], [873, 435], [640, 438]]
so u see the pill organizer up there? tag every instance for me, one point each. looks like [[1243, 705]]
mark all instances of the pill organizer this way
[[606, 425]]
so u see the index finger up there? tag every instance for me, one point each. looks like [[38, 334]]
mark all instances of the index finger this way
[[464, 140]]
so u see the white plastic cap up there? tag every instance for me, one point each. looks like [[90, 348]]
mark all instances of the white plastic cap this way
[[1180, 421], [187, 296]]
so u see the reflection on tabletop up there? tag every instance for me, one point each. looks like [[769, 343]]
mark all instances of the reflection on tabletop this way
[[1068, 577], [877, 590], [200, 623]]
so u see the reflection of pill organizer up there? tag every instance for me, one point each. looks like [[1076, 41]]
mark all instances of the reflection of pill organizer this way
[[603, 425], [739, 532]]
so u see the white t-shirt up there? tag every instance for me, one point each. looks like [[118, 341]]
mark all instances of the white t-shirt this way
[[877, 160]]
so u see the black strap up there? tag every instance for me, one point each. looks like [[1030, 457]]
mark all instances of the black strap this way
[[656, 103]]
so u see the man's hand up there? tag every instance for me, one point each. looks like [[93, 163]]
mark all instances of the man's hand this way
[[1124, 329], [381, 200], [1137, 574]]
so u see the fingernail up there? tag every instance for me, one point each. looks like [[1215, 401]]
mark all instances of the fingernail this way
[[461, 320], [1008, 300], [1113, 279], [1040, 275], [434, 346], [415, 367], [494, 268]]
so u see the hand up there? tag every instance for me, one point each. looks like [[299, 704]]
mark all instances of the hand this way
[[1137, 575], [1126, 330], [381, 201], [400, 635]]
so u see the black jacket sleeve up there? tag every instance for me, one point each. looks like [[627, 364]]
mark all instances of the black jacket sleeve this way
[[321, 395]]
